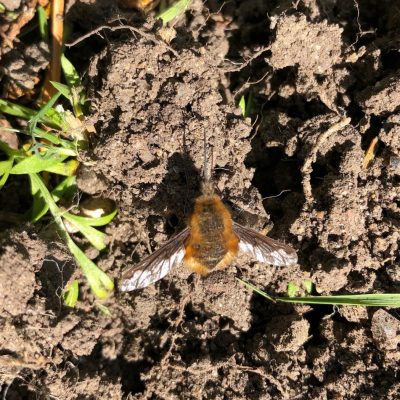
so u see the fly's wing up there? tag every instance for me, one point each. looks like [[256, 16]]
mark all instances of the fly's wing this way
[[263, 248], [155, 266]]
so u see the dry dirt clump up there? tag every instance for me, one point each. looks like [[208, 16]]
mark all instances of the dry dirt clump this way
[[316, 50], [314, 47], [22, 345], [36, 331], [21, 256], [20, 69], [383, 97]]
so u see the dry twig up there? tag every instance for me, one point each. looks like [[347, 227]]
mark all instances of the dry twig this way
[[370, 153], [57, 30], [307, 166], [247, 62], [138, 31]]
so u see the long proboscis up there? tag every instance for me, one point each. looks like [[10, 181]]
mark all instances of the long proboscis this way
[[206, 171]]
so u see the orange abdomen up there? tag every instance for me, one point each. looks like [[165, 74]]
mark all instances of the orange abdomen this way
[[212, 243]]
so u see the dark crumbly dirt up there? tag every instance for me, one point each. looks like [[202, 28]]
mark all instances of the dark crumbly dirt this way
[[325, 86]]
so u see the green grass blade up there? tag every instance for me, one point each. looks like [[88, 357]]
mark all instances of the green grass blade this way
[[308, 286], [95, 237], [53, 138], [66, 189], [46, 114], [372, 300], [43, 24], [255, 289], [246, 104], [174, 11], [6, 167], [35, 163], [7, 107], [99, 281], [48, 198], [70, 74], [62, 151], [64, 168], [375, 299], [71, 294], [67, 147], [242, 105], [42, 134], [73, 81], [50, 117], [39, 207], [6, 128], [100, 221], [63, 89], [72, 94]]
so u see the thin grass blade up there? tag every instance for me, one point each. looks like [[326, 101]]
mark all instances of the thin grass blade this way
[[43, 24], [374, 299], [174, 11], [103, 309], [100, 221], [368, 300], [98, 280], [16, 110], [39, 207], [71, 294], [5, 167], [67, 168], [71, 75], [46, 114], [63, 89], [35, 164], [255, 289], [95, 237]]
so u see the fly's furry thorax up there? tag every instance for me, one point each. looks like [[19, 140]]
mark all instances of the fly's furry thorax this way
[[212, 243]]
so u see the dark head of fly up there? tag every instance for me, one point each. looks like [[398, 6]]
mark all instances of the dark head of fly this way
[[210, 242]]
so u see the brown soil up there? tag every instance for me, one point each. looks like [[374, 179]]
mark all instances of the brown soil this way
[[325, 84]]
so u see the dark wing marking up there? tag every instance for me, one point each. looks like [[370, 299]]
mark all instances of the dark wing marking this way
[[263, 248], [155, 266]]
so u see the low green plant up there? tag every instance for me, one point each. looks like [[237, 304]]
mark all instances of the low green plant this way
[[55, 137], [71, 294], [43, 24], [177, 9], [374, 299], [246, 104], [293, 288]]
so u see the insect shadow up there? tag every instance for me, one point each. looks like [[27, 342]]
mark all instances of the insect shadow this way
[[176, 194], [53, 277]]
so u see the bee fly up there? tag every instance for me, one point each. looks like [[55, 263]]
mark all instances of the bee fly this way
[[210, 242]]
